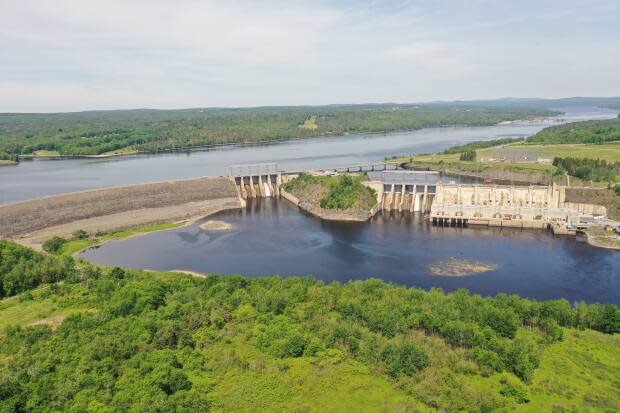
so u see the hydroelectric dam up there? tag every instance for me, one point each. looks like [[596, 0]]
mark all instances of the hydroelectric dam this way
[[443, 202]]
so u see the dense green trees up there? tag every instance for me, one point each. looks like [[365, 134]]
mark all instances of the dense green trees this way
[[593, 131], [89, 133], [345, 192], [588, 169], [144, 343], [23, 269]]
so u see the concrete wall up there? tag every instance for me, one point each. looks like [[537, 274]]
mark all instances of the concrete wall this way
[[521, 196], [590, 209], [514, 206]]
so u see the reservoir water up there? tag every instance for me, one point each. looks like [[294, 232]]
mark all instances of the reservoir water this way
[[274, 237], [36, 178]]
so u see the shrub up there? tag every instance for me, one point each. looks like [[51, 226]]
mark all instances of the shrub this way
[[469, 155], [80, 234], [54, 245], [553, 331], [406, 358], [515, 391], [345, 193]]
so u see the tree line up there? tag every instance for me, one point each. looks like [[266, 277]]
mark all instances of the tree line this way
[[597, 170], [90, 133], [592, 131]]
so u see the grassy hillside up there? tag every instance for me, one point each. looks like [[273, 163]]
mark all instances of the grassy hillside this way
[[594, 131], [117, 340], [90, 133]]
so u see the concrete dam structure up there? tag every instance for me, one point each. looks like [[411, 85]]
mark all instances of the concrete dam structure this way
[[256, 180], [411, 191], [510, 206], [447, 204]]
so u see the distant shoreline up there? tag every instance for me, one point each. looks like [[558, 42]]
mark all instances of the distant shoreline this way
[[200, 148]]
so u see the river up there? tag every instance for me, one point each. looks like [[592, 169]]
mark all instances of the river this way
[[36, 178], [274, 237]]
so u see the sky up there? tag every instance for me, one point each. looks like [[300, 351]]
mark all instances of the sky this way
[[71, 55]]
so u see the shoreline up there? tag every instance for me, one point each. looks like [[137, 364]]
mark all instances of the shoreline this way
[[204, 148], [325, 214], [36, 239]]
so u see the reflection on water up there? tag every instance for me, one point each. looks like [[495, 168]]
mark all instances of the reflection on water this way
[[274, 237]]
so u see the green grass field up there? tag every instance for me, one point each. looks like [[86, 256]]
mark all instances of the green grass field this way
[[40, 306], [579, 374], [609, 151]]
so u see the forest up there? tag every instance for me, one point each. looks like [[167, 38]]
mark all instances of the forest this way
[[592, 131], [127, 131], [596, 170], [128, 340]]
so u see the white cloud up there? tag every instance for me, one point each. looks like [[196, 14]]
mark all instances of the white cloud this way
[[71, 55]]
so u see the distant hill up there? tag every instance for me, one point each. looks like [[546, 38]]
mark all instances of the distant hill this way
[[592, 131], [603, 102], [130, 131]]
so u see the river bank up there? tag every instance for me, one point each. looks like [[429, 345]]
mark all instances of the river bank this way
[[273, 236], [182, 214], [553, 115], [327, 214]]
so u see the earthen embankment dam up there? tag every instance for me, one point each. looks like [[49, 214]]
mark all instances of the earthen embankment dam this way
[[118, 207]]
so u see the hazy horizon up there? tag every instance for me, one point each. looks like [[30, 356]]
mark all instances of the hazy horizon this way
[[70, 55], [456, 101]]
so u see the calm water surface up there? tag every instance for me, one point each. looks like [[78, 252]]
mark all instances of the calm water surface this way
[[275, 237], [32, 179]]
